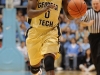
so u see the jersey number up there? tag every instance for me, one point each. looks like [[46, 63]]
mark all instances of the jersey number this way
[[47, 14]]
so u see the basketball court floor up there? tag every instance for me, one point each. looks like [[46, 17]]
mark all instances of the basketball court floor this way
[[70, 73], [74, 73]]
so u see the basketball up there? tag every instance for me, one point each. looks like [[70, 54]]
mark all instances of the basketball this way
[[77, 8]]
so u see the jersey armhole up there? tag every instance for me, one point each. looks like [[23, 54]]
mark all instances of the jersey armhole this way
[[29, 21]]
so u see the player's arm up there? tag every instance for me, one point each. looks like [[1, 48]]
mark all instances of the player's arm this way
[[64, 5], [84, 21], [31, 9], [85, 24]]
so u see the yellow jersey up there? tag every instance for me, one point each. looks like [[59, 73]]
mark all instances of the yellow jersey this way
[[49, 19]]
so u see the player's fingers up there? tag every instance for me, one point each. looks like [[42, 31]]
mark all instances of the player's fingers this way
[[51, 6], [55, 7]]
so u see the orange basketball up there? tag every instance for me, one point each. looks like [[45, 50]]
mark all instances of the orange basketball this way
[[77, 8]]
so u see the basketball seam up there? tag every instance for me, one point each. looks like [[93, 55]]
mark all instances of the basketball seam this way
[[77, 8], [81, 5], [76, 11], [74, 14], [72, 9], [83, 8]]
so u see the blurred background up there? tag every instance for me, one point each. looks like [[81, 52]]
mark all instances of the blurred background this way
[[74, 45]]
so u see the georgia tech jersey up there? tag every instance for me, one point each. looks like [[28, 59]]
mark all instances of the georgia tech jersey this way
[[49, 18]]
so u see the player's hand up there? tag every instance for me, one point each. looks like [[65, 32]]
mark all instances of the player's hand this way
[[50, 6], [91, 22]]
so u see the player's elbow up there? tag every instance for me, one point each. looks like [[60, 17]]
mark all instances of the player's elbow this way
[[29, 15]]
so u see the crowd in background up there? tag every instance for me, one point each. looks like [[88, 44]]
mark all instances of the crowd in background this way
[[74, 44], [75, 47], [15, 2]]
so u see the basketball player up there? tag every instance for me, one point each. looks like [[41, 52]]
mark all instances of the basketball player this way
[[92, 20], [42, 36]]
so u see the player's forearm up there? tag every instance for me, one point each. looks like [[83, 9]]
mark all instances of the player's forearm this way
[[34, 13], [64, 5], [84, 24]]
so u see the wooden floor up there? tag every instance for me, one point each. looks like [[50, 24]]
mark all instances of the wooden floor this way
[[68, 73], [74, 73]]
